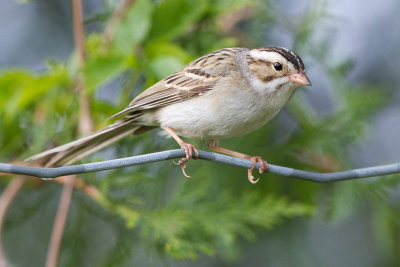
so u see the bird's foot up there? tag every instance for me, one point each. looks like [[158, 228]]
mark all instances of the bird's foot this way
[[263, 166], [189, 149]]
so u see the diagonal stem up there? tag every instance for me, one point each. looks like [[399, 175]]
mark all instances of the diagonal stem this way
[[59, 222], [85, 119], [114, 21], [85, 128], [6, 198]]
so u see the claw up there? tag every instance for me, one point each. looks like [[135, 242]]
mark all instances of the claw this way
[[250, 172], [263, 166], [251, 177], [189, 148], [183, 167], [182, 164]]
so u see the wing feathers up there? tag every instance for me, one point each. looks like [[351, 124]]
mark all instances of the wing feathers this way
[[195, 79]]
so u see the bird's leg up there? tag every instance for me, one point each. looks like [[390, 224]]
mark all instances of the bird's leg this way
[[189, 148], [262, 163]]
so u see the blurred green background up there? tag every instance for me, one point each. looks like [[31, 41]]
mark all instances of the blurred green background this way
[[151, 215]]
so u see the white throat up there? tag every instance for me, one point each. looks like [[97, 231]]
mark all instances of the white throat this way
[[272, 86]]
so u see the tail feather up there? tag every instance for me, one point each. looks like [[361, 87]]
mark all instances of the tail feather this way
[[76, 150]]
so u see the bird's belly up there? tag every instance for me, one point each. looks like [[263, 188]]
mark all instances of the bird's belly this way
[[196, 118]]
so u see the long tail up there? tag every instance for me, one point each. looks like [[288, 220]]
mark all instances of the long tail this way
[[76, 150]]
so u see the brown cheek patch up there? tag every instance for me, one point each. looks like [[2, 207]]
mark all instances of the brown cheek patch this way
[[263, 71], [267, 78]]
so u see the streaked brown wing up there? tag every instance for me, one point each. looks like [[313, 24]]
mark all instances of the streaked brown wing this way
[[195, 79]]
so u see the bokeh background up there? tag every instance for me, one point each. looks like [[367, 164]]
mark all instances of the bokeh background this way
[[151, 215]]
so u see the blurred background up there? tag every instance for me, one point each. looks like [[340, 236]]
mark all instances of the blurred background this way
[[151, 215]]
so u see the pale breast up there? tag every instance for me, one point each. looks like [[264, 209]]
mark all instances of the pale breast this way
[[222, 113]]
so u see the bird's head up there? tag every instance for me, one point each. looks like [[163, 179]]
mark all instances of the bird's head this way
[[275, 67]]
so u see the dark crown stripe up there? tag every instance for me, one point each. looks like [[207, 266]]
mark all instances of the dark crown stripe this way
[[288, 55]]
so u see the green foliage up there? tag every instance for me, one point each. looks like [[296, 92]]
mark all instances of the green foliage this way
[[184, 227], [134, 27], [217, 208], [386, 225], [22, 89], [184, 12]]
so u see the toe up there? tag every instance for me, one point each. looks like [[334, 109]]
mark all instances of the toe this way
[[187, 152], [184, 172], [181, 162], [196, 153], [183, 168], [263, 166], [190, 150], [251, 177]]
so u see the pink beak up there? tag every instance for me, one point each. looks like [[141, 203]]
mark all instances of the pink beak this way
[[300, 78]]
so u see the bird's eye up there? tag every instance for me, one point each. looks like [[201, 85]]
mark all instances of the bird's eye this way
[[278, 66]]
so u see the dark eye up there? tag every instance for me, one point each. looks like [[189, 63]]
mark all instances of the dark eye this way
[[278, 66]]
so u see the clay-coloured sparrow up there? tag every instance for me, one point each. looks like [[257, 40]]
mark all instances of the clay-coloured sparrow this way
[[227, 93]]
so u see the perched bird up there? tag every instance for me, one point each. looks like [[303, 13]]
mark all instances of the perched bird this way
[[227, 93]]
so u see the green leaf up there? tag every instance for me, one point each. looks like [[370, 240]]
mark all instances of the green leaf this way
[[134, 27], [101, 69], [162, 48], [21, 89], [10, 83], [174, 17], [165, 65]]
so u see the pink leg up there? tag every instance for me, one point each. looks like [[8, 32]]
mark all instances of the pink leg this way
[[189, 148], [262, 163]]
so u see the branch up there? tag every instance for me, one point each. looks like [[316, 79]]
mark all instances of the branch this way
[[205, 155]]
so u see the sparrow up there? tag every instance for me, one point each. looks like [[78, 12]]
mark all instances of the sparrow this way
[[227, 93]]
